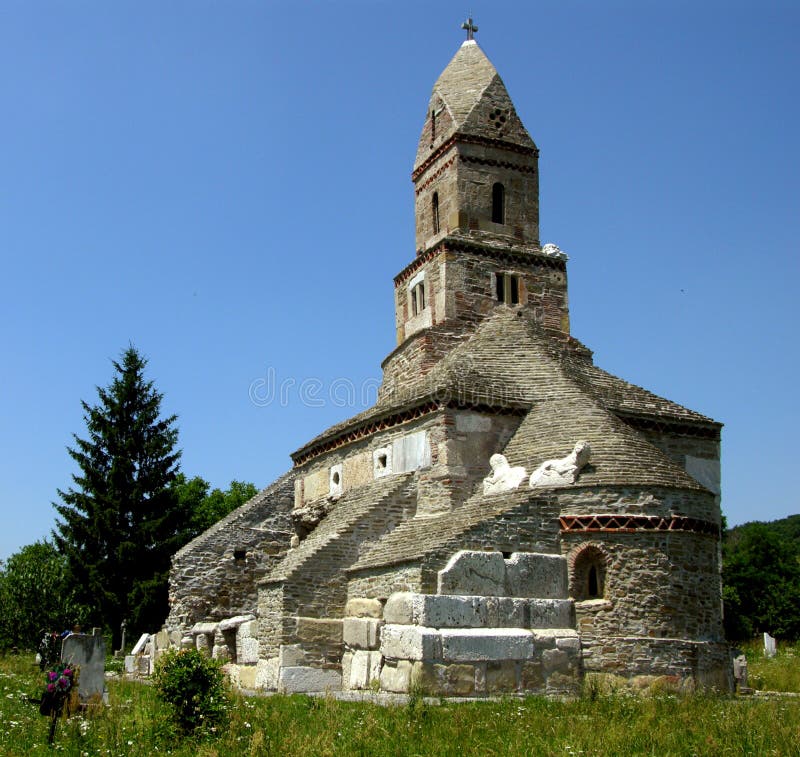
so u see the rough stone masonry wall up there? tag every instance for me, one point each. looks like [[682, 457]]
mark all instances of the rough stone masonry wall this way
[[657, 584], [214, 576], [471, 287]]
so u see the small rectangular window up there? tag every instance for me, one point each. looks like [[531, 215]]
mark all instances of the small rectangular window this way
[[418, 302], [507, 288]]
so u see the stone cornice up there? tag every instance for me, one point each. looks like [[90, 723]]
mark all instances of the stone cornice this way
[[471, 139], [502, 254]]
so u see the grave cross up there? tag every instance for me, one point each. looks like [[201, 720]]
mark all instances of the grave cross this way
[[470, 28]]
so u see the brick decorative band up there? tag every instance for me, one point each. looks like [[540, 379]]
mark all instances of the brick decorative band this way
[[473, 140], [508, 256], [635, 523], [498, 163]]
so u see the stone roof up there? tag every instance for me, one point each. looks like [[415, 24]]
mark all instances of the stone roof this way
[[470, 79], [510, 362]]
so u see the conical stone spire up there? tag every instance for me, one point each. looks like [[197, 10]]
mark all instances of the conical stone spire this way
[[469, 97]]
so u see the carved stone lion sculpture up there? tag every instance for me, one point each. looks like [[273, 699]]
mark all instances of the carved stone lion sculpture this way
[[564, 470], [503, 477]]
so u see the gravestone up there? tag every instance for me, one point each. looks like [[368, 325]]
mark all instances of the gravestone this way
[[769, 645], [88, 652]]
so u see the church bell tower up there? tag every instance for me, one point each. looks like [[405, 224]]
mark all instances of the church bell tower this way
[[476, 186]]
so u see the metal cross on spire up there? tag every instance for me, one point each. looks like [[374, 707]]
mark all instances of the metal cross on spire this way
[[470, 28]]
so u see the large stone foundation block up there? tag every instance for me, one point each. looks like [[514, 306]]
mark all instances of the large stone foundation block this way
[[540, 576], [488, 644], [396, 676], [307, 679], [267, 674], [362, 607], [361, 633], [410, 642], [319, 632], [440, 679], [361, 668], [502, 677], [469, 572]]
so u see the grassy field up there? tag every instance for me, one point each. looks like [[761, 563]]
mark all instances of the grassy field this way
[[138, 724]]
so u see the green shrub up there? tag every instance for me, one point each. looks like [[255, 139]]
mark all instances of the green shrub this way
[[194, 688]]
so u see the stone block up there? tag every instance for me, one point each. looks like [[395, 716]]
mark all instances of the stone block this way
[[307, 679], [472, 644], [362, 607], [145, 665], [220, 652], [204, 628], [347, 664], [469, 572], [229, 624], [551, 613], [361, 633], [568, 643], [316, 485], [364, 667], [532, 677], [202, 643], [187, 642], [162, 639], [411, 452], [450, 611], [267, 674], [540, 576], [410, 642], [555, 660], [130, 663], [544, 638], [438, 679], [292, 656], [246, 676], [326, 632], [247, 651], [396, 676], [175, 638], [399, 608], [501, 677], [138, 647]]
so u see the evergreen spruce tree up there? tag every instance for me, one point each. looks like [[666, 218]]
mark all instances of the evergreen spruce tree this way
[[123, 521]]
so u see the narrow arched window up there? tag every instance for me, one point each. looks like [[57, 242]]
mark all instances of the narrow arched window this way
[[592, 588], [589, 573], [433, 125], [498, 203], [435, 212]]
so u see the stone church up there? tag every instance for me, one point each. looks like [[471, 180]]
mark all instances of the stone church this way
[[507, 517]]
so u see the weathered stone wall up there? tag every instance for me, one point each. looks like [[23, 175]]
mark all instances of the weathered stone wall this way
[[382, 582], [531, 526], [682, 662], [659, 584], [461, 289], [214, 576]]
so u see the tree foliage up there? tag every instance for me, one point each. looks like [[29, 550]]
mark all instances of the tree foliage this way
[[207, 507], [122, 521], [761, 579], [35, 596]]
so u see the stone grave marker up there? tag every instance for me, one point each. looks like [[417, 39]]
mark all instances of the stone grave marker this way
[[88, 652], [770, 647]]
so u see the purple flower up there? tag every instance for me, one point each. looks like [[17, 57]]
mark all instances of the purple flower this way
[[52, 675], [67, 672], [51, 687]]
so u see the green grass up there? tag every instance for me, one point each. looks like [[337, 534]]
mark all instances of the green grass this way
[[779, 673], [136, 723]]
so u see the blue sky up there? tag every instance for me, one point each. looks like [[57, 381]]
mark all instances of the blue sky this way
[[227, 187]]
